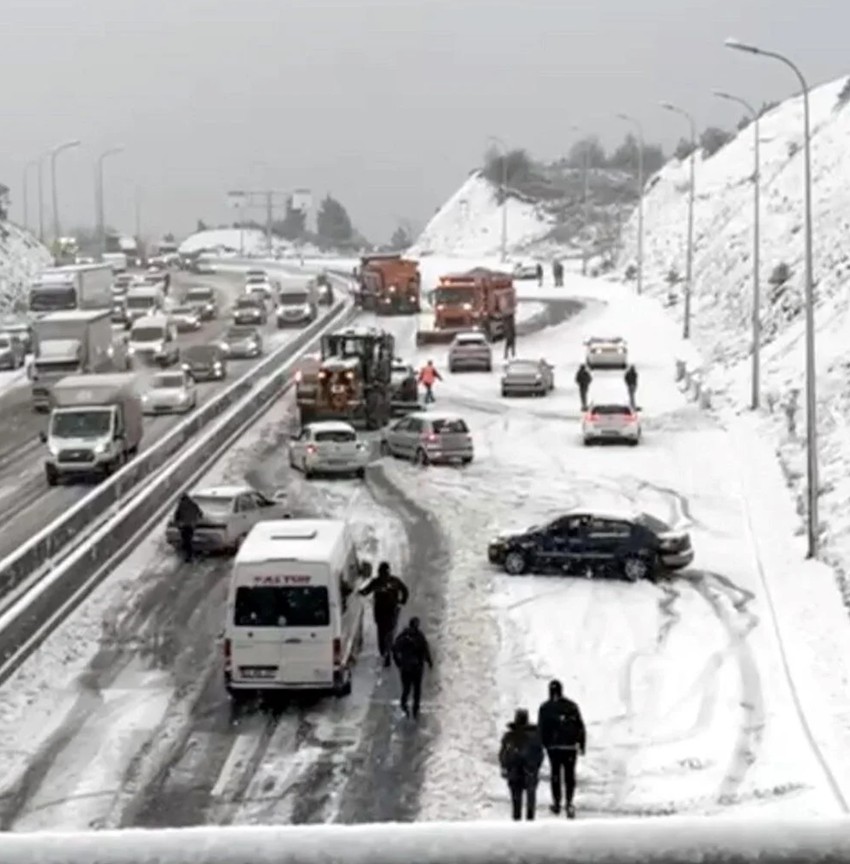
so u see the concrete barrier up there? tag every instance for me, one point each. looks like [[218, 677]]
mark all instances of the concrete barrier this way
[[716, 840], [28, 563]]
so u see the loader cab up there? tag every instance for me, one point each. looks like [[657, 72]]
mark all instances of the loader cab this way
[[339, 383]]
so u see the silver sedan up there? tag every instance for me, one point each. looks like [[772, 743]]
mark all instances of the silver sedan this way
[[528, 378], [608, 353], [170, 393]]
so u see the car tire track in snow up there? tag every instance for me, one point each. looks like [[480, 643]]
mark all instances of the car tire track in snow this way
[[388, 770]]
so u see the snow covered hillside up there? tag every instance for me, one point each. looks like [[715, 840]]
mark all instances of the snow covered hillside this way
[[21, 257], [469, 224], [723, 279]]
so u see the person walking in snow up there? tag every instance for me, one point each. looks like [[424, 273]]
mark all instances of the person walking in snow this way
[[562, 734], [389, 594], [539, 275], [583, 380], [631, 379], [428, 375], [411, 652], [520, 758], [186, 518], [558, 269], [510, 337]]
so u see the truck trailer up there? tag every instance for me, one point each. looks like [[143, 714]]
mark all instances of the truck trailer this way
[[95, 426], [77, 286]]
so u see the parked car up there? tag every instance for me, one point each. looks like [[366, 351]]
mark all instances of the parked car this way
[[525, 270], [470, 351], [12, 353], [170, 393], [250, 309], [242, 342], [205, 362], [20, 328], [606, 353], [631, 546], [229, 513], [328, 447], [528, 378], [187, 318], [427, 438], [204, 300], [611, 421]]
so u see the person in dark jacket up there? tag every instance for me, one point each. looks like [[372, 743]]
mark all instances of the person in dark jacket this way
[[631, 378], [389, 594], [558, 269], [186, 517], [539, 269], [583, 379], [411, 652], [510, 337], [562, 733], [520, 757]]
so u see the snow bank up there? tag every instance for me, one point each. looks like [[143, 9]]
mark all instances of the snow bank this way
[[21, 258], [251, 240], [470, 223], [623, 841]]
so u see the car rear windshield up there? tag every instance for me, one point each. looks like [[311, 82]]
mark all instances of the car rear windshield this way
[[168, 381], [240, 332], [442, 427], [337, 435], [611, 410], [293, 298], [471, 340], [523, 366], [147, 334], [291, 606], [214, 507]]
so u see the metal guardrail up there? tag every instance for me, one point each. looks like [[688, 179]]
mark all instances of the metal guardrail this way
[[27, 621], [602, 841], [39, 552]]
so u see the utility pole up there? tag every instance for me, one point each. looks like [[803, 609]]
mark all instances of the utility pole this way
[[137, 206]]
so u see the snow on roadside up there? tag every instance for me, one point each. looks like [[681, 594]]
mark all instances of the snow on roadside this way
[[22, 257]]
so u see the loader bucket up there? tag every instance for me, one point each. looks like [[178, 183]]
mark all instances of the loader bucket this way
[[434, 337]]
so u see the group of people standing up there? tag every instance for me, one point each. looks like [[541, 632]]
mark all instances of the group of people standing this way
[[557, 274], [584, 380]]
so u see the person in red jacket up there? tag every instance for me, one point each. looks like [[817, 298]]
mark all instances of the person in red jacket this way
[[427, 376]]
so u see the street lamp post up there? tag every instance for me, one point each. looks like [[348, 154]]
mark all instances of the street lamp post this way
[[53, 154], [26, 191], [99, 197], [503, 147], [689, 266], [755, 396], [40, 164], [585, 199], [811, 390], [637, 124]]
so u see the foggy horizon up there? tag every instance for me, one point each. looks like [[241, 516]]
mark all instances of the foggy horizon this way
[[385, 105]]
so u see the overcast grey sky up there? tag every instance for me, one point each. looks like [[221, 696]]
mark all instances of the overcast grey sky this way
[[386, 104]]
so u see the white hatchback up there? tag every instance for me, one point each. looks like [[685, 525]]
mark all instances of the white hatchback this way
[[328, 447], [612, 421]]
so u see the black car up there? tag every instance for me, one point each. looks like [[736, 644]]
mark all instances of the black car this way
[[631, 547], [250, 310], [205, 362]]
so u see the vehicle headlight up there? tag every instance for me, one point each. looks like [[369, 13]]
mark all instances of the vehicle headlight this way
[[101, 447], [538, 377], [131, 350], [217, 366], [54, 450]]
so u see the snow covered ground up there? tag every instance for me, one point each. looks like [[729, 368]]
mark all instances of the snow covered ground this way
[[469, 224], [690, 705], [723, 285]]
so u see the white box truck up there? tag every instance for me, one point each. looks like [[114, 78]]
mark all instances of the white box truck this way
[[116, 260], [76, 342], [77, 286], [95, 426]]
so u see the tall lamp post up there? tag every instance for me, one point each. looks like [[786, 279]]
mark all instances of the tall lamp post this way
[[689, 266], [811, 391], [26, 203], [40, 163], [585, 197], [755, 396], [61, 148], [637, 124], [503, 147], [99, 196]]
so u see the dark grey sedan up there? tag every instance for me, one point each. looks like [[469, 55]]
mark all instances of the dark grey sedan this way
[[242, 343], [205, 362]]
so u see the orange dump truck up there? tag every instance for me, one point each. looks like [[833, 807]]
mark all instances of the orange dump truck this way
[[389, 285], [478, 300]]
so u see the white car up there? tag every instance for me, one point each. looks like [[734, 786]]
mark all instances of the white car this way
[[170, 393], [606, 353], [328, 447], [470, 351], [611, 421], [262, 290], [229, 513], [187, 318]]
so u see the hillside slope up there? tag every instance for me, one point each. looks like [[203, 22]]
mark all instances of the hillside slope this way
[[21, 258], [722, 291]]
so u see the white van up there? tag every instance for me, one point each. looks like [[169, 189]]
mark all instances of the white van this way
[[294, 618]]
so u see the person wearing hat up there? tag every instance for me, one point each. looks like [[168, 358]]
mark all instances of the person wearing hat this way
[[520, 758], [389, 595], [411, 652], [563, 735]]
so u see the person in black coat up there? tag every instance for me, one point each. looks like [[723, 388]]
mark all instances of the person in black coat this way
[[186, 517], [631, 378], [563, 735], [510, 337], [389, 594], [583, 379], [411, 652], [539, 269], [520, 758]]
